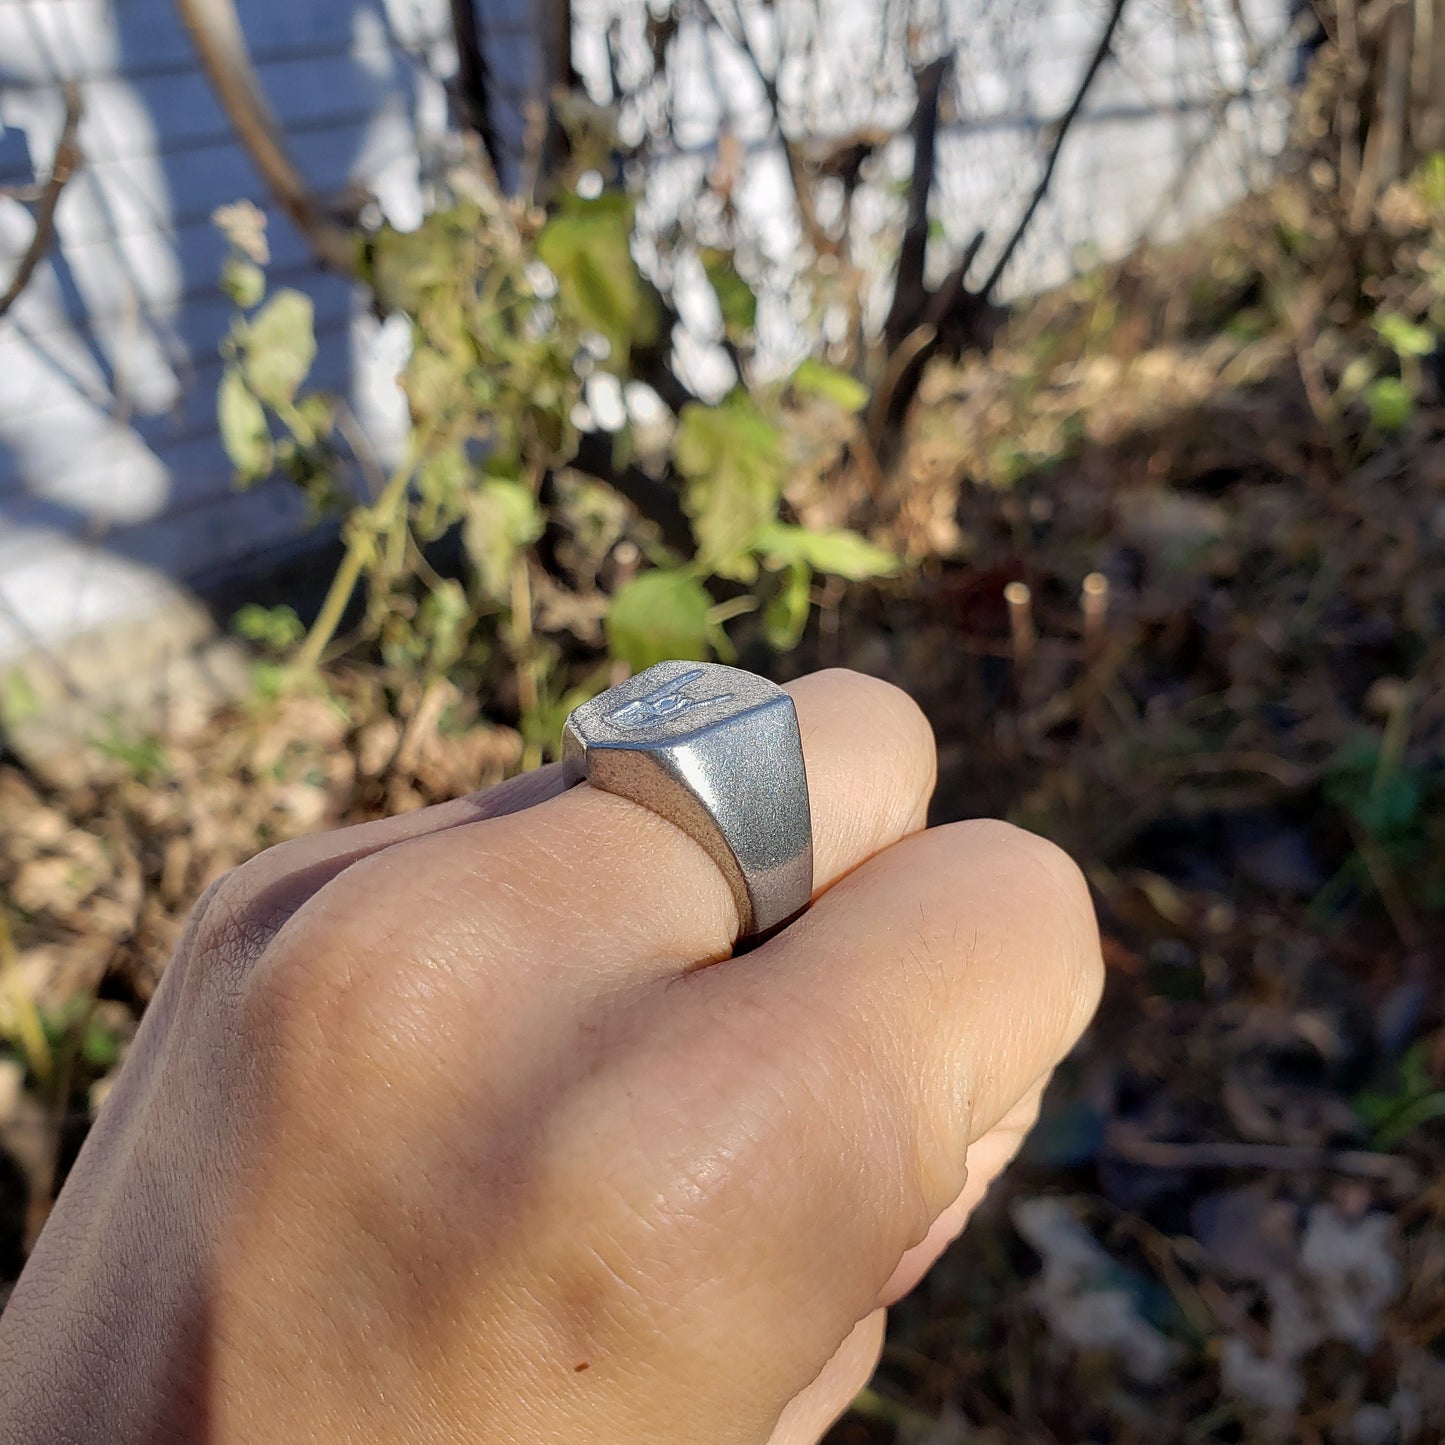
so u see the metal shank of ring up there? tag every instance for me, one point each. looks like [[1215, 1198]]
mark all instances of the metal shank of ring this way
[[717, 752]]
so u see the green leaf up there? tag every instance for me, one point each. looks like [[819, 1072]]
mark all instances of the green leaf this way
[[731, 458], [19, 702], [814, 378], [442, 619], [658, 615], [1410, 1101], [99, 1046], [588, 247], [243, 281], [432, 384], [786, 615], [1387, 803], [279, 345], [1356, 376], [502, 518], [1390, 401], [735, 298], [1404, 337], [404, 265], [244, 431], [277, 628], [841, 553], [311, 420], [1430, 182]]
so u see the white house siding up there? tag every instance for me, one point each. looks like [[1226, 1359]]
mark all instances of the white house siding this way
[[114, 493], [1183, 119]]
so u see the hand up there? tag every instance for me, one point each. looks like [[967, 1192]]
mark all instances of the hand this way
[[438, 1129]]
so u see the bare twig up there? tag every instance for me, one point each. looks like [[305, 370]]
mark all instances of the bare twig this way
[[1094, 603], [953, 319], [1061, 131], [1347, 113], [356, 438], [1384, 143], [910, 297], [62, 167], [1022, 633], [737, 33], [1427, 63], [1126, 1142], [1387, 885], [473, 83], [913, 351], [215, 30]]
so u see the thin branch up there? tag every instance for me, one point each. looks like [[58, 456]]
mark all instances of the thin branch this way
[[215, 30], [354, 434], [1427, 63], [953, 318], [953, 294], [473, 83], [909, 293], [1384, 141], [1061, 131], [1126, 1142], [62, 167], [813, 229], [1347, 118]]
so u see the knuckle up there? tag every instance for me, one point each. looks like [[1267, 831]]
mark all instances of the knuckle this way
[[363, 973], [247, 906], [875, 694], [330, 957], [227, 931], [894, 715], [1048, 865]]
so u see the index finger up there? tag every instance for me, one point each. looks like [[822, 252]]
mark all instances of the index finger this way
[[606, 886]]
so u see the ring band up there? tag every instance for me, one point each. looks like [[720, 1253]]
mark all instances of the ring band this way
[[716, 751]]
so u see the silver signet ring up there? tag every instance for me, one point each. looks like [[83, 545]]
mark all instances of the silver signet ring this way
[[717, 752]]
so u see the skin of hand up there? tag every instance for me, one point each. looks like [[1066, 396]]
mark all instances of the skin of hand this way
[[439, 1129]]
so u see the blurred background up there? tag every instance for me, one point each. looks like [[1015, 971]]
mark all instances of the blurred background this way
[[379, 380]]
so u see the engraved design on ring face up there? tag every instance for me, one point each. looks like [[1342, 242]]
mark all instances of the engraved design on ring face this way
[[662, 704]]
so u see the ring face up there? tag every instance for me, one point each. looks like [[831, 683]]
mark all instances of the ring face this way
[[717, 752]]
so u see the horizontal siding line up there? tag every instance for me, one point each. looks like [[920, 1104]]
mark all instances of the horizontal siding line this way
[[215, 481], [296, 272], [199, 217], [216, 487], [187, 219], [223, 140], [284, 547], [42, 513], [193, 510], [1135, 111], [184, 65], [199, 289], [259, 505], [207, 366], [203, 377], [225, 137]]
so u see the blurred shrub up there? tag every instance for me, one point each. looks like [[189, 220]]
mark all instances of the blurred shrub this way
[[519, 317]]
